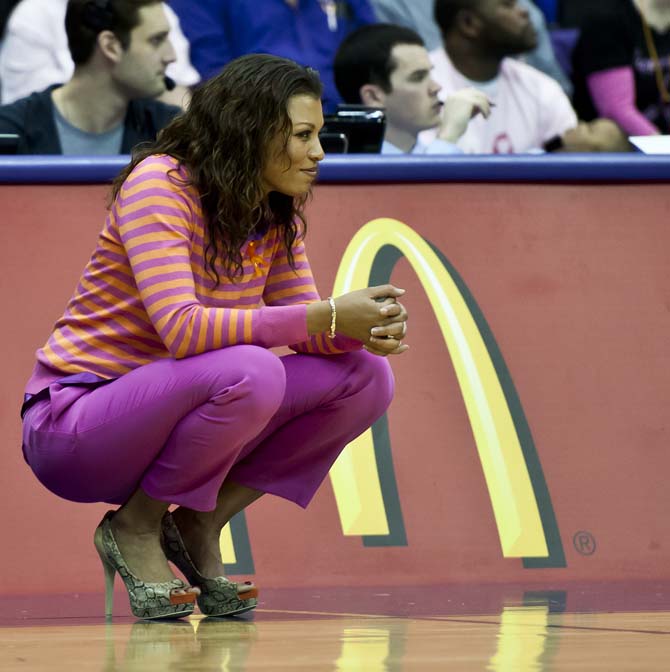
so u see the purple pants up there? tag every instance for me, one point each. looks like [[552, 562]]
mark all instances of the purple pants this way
[[179, 428]]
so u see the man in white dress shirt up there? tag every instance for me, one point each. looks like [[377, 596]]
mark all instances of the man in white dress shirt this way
[[387, 66]]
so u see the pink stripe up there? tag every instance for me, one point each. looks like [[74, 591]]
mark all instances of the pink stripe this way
[[305, 297], [109, 289], [167, 247], [120, 342], [166, 293], [300, 265], [241, 302], [157, 280], [144, 327], [158, 170], [209, 341], [187, 197], [153, 209], [109, 255], [116, 274], [109, 367], [150, 264], [239, 330], [178, 339], [120, 330], [171, 311], [146, 196], [205, 287], [103, 371], [287, 284]]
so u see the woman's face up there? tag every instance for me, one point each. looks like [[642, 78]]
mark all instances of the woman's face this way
[[292, 171]]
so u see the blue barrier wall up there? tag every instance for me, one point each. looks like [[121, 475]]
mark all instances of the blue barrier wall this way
[[378, 169]]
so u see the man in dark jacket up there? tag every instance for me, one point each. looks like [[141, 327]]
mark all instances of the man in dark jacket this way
[[121, 50]]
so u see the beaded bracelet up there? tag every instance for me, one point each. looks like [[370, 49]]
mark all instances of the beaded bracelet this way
[[333, 317]]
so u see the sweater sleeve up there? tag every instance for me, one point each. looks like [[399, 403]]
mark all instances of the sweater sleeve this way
[[155, 215], [613, 95], [286, 286]]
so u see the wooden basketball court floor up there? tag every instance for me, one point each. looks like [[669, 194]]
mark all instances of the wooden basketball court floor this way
[[497, 628]]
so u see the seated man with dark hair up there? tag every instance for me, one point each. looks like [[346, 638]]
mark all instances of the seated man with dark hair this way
[[121, 50], [387, 66]]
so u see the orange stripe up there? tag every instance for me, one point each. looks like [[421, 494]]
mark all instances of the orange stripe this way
[[107, 327], [77, 353], [138, 186], [292, 291], [218, 327], [166, 201], [183, 348], [288, 275], [110, 280], [187, 194], [106, 348], [114, 301], [179, 320], [202, 333], [164, 236], [157, 271], [155, 255], [58, 362], [319, 342], [177, 301], [248, 315], [157, 287], [232, 327]]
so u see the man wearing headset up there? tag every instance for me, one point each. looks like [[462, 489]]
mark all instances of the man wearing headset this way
[[121, 51]]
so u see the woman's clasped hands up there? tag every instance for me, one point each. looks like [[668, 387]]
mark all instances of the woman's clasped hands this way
[[375, 317]]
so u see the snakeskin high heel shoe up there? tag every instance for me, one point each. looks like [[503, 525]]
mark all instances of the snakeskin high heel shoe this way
[[218, 596], [147, 600]]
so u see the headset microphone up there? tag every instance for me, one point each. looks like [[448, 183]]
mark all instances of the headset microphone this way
[[169, 83]]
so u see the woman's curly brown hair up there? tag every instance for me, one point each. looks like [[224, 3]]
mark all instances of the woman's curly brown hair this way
[[223, 140]]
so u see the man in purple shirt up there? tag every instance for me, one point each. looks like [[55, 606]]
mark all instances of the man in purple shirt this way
[[306, 31]]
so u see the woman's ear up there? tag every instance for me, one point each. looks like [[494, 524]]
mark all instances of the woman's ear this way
[[372, 95], [110, 46]]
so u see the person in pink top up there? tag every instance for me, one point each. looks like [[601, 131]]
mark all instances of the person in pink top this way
[[622, 66], [157, 386]]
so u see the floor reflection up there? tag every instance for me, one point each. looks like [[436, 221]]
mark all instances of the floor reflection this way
[[205, 645], [401, 630], [527, 641], [523, 641]]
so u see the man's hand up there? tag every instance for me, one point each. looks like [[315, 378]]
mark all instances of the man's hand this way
[[459, 108]]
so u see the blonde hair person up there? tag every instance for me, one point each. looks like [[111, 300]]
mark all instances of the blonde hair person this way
[[656, 13]]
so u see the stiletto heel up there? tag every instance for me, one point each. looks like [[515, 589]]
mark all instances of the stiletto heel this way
[[218, 596], [147, 600], [109, 582]]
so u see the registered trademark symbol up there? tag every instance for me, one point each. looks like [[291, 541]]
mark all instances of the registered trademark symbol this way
[[584, 543]]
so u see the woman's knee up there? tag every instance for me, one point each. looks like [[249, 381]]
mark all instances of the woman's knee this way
[[260, 381], [377, 381]]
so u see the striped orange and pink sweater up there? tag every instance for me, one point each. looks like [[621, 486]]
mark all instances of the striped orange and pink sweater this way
[[145, 294]]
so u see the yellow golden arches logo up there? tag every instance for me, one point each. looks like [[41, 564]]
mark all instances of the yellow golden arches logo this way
[[363, 479], [519, 497]]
